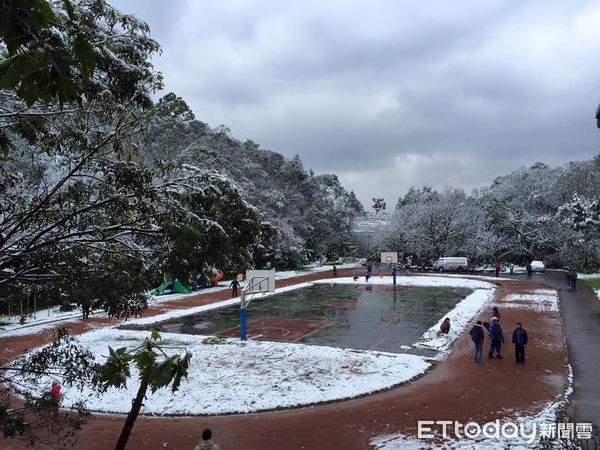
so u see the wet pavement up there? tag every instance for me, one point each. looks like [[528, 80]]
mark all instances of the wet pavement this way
[[581, 317], [347, 316]]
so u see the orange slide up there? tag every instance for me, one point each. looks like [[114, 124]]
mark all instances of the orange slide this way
[[215, 280]]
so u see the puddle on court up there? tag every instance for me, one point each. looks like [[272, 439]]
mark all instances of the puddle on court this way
[[347, 316]]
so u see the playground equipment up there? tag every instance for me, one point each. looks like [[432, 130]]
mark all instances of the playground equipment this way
[[214, 281], [258, 281], [174, 285]]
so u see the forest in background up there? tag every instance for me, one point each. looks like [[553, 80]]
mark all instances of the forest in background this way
[[540, 212], [105, 189]]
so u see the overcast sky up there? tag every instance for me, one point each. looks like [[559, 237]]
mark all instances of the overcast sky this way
[[389, 94]]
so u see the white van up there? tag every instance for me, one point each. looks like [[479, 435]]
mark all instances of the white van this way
[[458, 263]]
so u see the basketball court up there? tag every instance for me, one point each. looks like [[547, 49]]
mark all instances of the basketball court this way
[[346, 315]]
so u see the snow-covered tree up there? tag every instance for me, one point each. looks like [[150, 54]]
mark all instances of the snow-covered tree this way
[[429, 224]]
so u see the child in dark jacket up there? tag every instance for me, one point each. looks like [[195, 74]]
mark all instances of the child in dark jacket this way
[[497, 338], [477, 336], [519, 338]]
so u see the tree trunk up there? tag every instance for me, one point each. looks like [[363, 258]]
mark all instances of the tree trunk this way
[[136, 405]]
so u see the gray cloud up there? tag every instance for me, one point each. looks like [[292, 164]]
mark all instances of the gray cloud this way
[[388, 94]]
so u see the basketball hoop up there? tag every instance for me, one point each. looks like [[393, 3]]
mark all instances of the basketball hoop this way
[[259, 281]]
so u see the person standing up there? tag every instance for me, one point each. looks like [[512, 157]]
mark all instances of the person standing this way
[[207, 443], [334, 271], [54, 396], [234, 287], [519, 338], [573, 279], [497, 267], [511, 267], [55, 392], [408, 265], [478, 336], [568, 277], [497, 338], [85, 307], [445, 326], [529, 269]]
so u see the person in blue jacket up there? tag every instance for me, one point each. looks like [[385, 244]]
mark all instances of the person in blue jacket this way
[[497, 338], [519, 338]]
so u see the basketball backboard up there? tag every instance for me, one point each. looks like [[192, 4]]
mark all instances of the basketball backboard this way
[[389, 257], [262, 281]]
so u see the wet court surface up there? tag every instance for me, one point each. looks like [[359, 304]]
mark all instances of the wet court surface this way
[[347, 316]]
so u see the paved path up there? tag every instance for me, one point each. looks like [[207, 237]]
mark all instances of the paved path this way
[[581, 317]]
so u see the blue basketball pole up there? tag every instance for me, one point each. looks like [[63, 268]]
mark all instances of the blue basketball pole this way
[[243, 323]]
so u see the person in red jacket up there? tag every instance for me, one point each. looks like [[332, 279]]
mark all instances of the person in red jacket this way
[[498, 267], [445, 326], [54, 397], [55, 392]]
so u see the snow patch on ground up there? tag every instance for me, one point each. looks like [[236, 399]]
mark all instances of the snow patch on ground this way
[[198, 309], [413, 281], [460, 317], [44, 319], [240, 377], [588, 276], [26, 330], [481, 277], [538, 300], [548, 415]]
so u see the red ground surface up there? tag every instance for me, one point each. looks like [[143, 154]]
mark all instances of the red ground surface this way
[[344, 303], [456, 389], [277, 329]]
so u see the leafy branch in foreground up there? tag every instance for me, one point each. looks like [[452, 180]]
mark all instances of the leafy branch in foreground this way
[[36, 419], [156, 368]]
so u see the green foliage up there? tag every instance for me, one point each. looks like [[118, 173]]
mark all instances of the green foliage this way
[[52, 51], [63, 358], [115, 371], [156, 369], [37, 420], [155, 366], [39, 66], [593, 284]]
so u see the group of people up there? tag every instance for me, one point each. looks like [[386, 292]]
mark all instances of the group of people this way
[[511, 268], [496, 335]]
